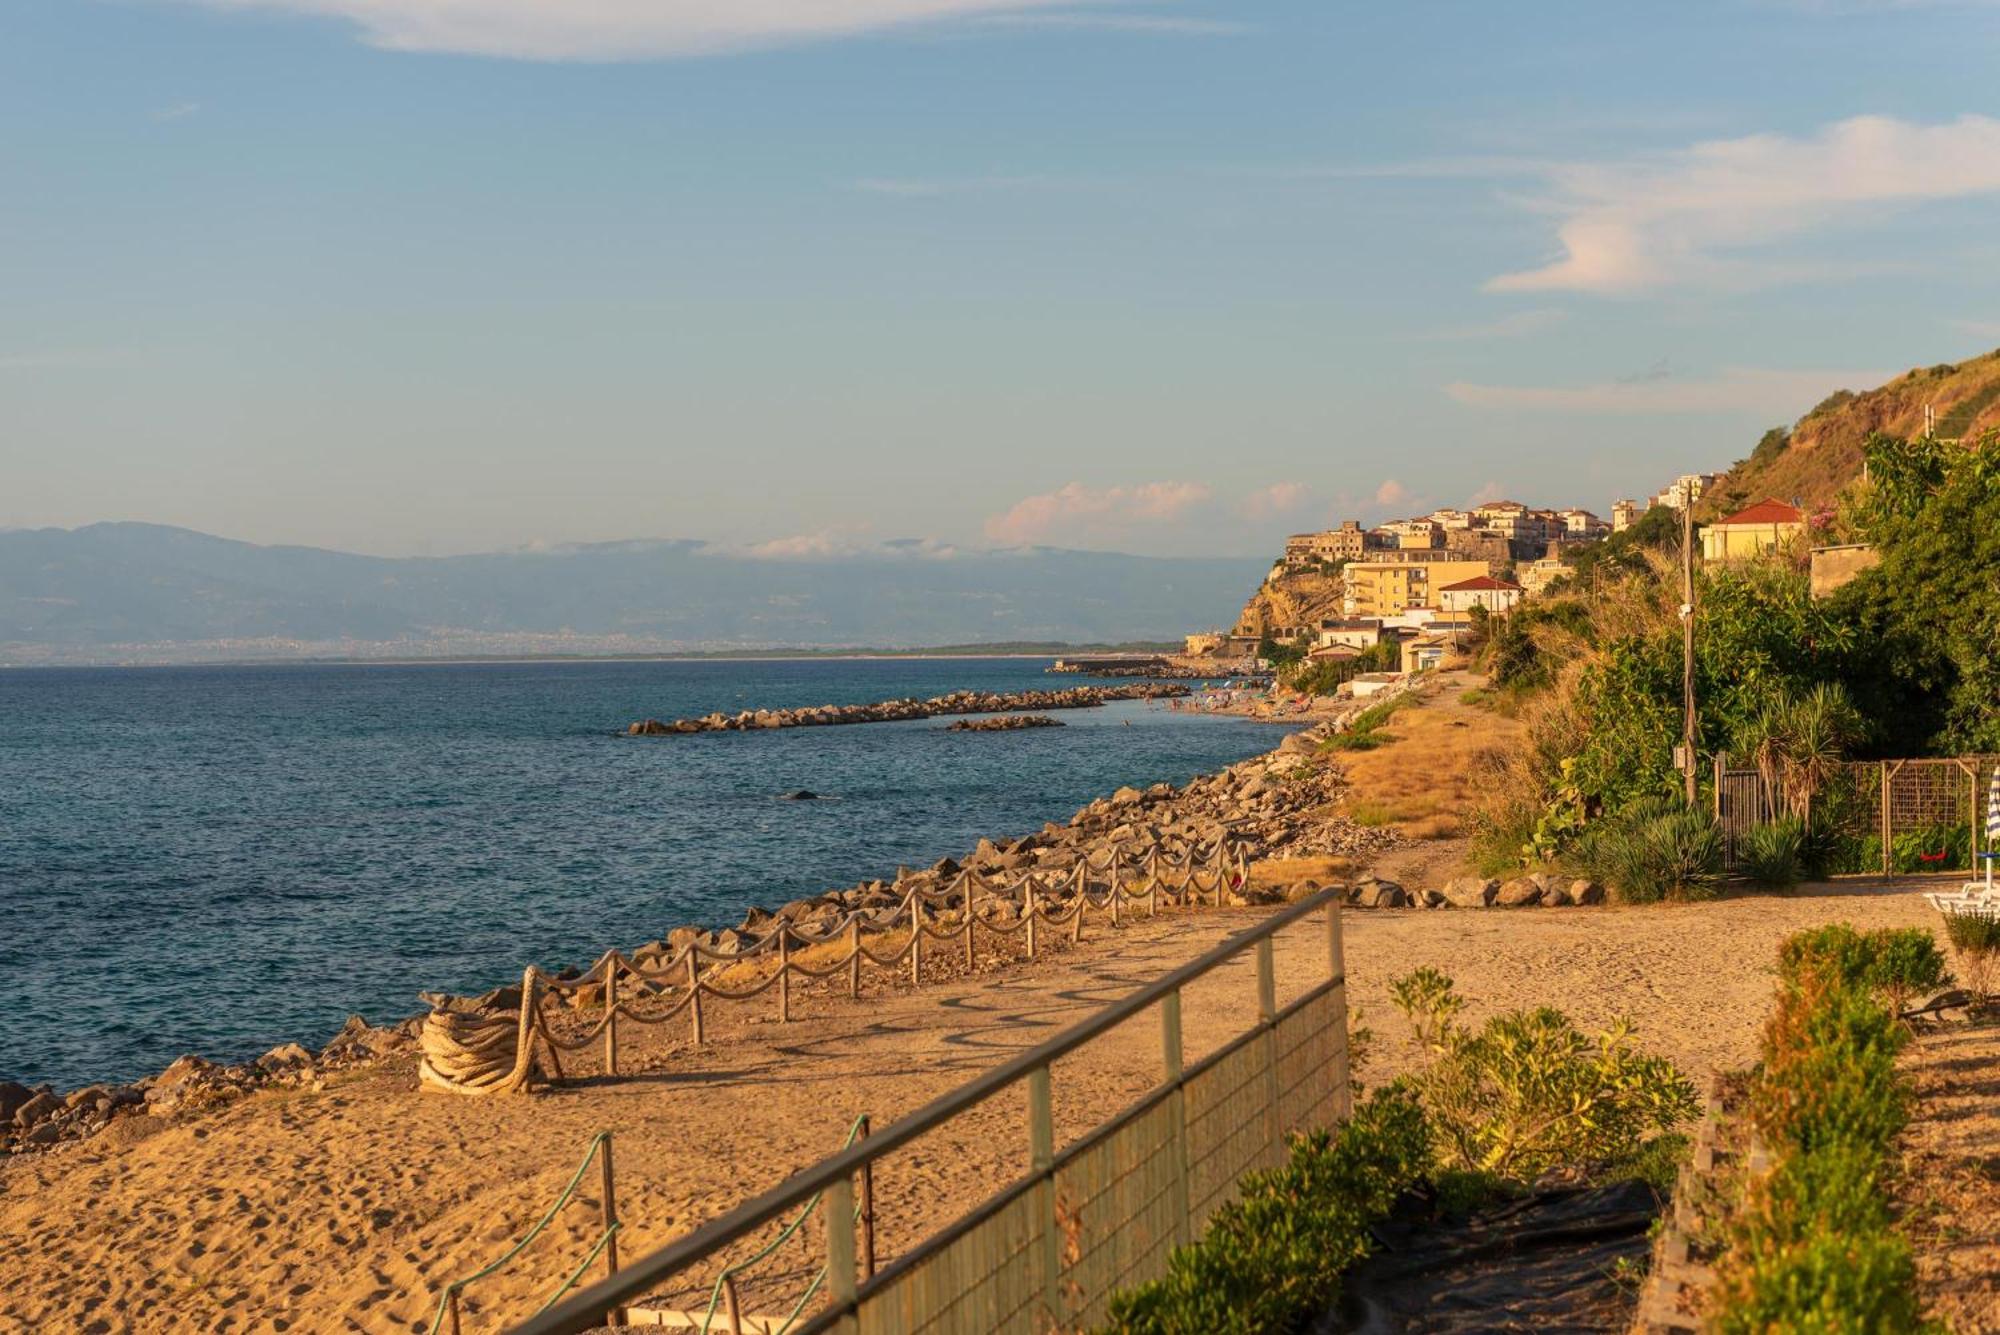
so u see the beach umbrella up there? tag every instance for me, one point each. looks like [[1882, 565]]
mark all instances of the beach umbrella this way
[[1992, 823]]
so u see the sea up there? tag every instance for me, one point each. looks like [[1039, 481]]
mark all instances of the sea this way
[[220, 859]]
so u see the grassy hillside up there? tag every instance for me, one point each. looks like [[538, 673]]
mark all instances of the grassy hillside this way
[[1822, 452]]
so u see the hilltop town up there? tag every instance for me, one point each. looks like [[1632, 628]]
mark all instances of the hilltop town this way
[[1402, 593]]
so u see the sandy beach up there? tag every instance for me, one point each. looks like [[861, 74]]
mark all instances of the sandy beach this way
[[349, 1207]]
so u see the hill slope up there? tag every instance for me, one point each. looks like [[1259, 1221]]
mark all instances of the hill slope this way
[[118, 592], [1823, 452]]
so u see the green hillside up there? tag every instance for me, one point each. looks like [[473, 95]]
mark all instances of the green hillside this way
[[1822, 453]]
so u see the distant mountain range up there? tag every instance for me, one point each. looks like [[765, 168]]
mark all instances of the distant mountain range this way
[[147, 593]]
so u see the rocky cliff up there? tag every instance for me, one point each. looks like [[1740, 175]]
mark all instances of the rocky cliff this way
[[1291, 598]]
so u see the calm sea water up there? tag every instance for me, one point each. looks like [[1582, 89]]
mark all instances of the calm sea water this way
[[218, 860]]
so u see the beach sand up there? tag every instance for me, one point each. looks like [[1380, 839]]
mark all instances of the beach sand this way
[[350, 1207]]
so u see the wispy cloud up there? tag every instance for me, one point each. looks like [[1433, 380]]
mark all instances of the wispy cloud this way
[[179, 111], [1391, 493], [1519, 324], [1708, 215], [836, 544], [1076, 510], [1280, 498], [1735, 390], [649, 29]]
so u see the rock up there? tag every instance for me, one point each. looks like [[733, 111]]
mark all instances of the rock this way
[[1305, 889], [1126, 797], [12, 1096], [37, 1109], [89, 1094], [1583, 891], [122, 1131], [587, 996], [1433, 899], [285, 1057], [755, 919], [800, 795], [1520, 892], [48, 1133], [728, 942], [1555, 894], [1379, 894], [681, 938]]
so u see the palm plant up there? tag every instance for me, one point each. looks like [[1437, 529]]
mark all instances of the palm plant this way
[[1797, 744]]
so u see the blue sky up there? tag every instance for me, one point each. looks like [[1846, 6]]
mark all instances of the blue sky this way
[[802, 276]]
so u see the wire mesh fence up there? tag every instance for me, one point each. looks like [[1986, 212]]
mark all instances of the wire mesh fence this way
[[1889, 817], [1050, 1249]]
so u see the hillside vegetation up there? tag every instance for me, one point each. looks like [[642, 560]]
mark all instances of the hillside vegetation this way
[[1812, 461]]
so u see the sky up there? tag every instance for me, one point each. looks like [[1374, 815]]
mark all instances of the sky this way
[[800, 277]]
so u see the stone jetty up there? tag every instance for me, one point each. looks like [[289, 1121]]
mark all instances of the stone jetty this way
[[1005, 723], [894, 711]]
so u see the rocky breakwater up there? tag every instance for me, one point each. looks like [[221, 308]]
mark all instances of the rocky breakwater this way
[[896, 711], [40, 1118], [1005, 723]]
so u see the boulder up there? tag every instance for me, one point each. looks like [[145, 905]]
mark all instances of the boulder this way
[[1379, 894], [682, 937], [1520, 892], [285, 1057], [1126, 797], [122, 1131], [12, 1096], [48, 1133], [1555, 894], [1583, 891], [37, 1109]]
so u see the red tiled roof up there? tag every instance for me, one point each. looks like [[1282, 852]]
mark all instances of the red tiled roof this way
[[1478, 583], [1767, 512]]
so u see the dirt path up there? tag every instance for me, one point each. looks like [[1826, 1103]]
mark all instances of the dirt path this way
[[1949, 1196], [347, 1209]]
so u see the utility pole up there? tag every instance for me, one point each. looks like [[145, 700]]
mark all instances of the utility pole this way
[[1687, 645]]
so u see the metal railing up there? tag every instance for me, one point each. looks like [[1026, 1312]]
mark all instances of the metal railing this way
[[1101, 1214]]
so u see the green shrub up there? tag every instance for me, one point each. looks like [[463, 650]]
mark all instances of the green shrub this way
[[1771, 855], [1896, 963], [1653, 850], [1975, 939], [1826, 1284], [1931, 848], [1829, 1077], [1275, 1254], [1528, 1091]]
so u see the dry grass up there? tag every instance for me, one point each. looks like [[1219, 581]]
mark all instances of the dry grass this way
[[1425, 777], [1285, 873]]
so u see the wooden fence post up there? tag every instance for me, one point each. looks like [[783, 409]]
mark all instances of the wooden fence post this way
[[854, 956], [840, 1271], [694, 992], [1042, 1156], [784, 971], [611, 1014], [1028, 904], [968, 929], [867, 1206], [608, 1212], [1171, 1059], [916, 939], [1267, 1015], [1336, 965]]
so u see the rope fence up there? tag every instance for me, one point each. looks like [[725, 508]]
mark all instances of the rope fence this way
[[486, 1052], [1047, 1250]]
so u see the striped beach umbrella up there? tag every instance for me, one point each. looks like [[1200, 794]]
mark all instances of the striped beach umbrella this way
[[1992, 823]]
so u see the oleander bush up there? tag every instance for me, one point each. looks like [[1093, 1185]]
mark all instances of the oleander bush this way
[[1772, 855], [1275, 1254], [1813, 1246]]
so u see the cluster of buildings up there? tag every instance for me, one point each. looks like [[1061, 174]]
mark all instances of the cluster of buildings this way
[[1416, 582]]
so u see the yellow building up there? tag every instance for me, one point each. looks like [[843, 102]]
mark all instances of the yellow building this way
[[1765, 527], [1390, 588]]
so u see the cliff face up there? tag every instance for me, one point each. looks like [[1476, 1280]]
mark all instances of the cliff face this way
[[1291, 598], [1824, 450]]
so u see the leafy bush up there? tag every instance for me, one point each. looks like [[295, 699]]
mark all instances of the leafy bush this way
[[1932, 848], [1975, 939], [1655, 849], [1275, 1254], [1895, 963], [1528, 1091], [1813, 1247], [1770, 855]]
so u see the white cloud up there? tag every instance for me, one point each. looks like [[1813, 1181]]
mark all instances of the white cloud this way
[[1488, 494], [1737, 389], [1391, 493], [1279, 498], [1688, 217], [628, 29], [1076, 509], [179, 111]]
